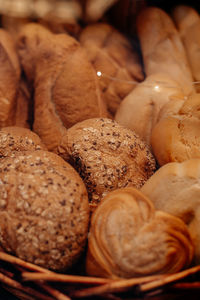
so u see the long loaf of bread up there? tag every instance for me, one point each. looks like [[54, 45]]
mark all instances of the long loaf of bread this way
[[162, 48]]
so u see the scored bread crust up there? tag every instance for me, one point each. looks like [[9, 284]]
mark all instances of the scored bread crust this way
[[44, 211], [187, 21], [162, 48], [65, 84], [140, 110], [112, 54], [176, 136], [128, 238], [9, 79]]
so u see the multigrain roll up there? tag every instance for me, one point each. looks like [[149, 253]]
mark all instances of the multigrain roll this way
[[16, 139], [114, 56], [44, 209], [107, 156], [65, 84], [162, 48], [129, 238]]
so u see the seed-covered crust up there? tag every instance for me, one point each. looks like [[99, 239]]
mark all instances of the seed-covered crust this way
[[18, 139], [107, 156], [44, 209]]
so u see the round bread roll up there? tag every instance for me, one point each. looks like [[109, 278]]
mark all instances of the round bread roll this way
[[140, 110], [107, 156], [175, 189], [114, 56], [18, 139], [65, 83], [176, 137], [128, 238], [44, 211]]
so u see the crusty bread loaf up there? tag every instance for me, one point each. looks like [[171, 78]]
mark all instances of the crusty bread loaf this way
[[17, 139], [140, 110], [162, 48], [175, 189], [128, 238], [24, 107], [9, 79], [107, 156], [176, 137], [65, 84], [44, 210], [188, 22], [112, 54]]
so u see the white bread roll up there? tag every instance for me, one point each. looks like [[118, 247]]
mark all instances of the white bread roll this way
[[176, 137], [139, 111], [162, 48], [175, 189]]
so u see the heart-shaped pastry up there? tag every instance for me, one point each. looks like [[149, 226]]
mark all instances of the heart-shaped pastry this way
[[129, 238]]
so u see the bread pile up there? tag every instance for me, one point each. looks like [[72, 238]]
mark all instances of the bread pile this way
[[79, 153]]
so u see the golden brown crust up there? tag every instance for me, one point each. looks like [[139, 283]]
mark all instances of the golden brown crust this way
[[176, 136], [162, 48], [9, 79], [23, 114], [174, 189], [107, 156], [65, 83], [128, 238], [17, 139], [113, 55], [188, 23], [44, 210], [140, 110]]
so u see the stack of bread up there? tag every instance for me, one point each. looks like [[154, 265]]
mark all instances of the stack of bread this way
[[82, 134]]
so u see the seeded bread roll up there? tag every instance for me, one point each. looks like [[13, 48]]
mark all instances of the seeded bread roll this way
[[113, 55], [16, 139], [175, 189], [162, 48], [107, 156], [129, 238], [44, 209], [65, 84]]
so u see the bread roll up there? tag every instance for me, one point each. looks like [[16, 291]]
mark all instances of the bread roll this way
[[17, 139], [44, 209], [9, 79], [162, 48], [112, 54], [176, 137], [188, 23], [95, 9], [128, 238], [65, 84], [107, 156], [140, 110], [175, 189]]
